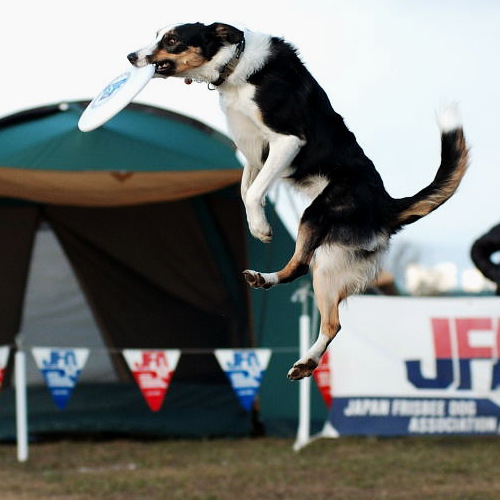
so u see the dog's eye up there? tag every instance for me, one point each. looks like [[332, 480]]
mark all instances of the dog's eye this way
[[171, 41]]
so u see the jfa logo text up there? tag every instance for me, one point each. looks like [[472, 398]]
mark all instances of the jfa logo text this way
[[458, 343]]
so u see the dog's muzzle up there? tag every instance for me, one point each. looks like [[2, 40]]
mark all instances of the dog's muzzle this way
[[162, 68]]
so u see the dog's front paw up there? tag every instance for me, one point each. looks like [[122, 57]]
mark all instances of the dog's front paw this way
[[263, 234], [262, 231], [260, 280], [302, 369]]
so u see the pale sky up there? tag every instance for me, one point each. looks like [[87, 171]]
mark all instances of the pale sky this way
[[387, 65]]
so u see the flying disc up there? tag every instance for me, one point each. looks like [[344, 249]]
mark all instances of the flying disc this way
[[115, 96]]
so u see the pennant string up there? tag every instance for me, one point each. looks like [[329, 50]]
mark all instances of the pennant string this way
[[184, 350]]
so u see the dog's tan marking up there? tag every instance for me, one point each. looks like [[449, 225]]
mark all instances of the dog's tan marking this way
[[184, 61], [228, 33], [297, 266], [259, 117], [222, 30], [301, 257], [423, 207]]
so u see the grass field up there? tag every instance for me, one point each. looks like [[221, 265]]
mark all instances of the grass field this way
[[267, 468]]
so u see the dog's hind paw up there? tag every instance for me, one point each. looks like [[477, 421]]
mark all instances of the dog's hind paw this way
[[260, 280], [302, 369]]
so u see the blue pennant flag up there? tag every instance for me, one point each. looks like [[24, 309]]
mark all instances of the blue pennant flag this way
[[244, 369], [60, 368]]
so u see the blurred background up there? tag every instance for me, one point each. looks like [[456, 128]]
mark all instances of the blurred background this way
[[388, 67]]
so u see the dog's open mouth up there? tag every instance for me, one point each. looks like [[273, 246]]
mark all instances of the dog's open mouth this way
[[165, 68]]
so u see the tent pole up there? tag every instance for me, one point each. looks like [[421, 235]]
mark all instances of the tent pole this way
[[21, 403]]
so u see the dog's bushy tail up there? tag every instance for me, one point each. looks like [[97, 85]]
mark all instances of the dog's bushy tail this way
[[454, 162]]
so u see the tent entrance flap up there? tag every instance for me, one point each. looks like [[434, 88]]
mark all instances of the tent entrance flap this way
[[18, 223], [151, 277]]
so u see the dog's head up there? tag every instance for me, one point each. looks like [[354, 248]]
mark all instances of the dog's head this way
[[189, 50]]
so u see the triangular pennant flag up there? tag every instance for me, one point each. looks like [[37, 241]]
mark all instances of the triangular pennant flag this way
[[244, 369], [322, 377], [4, 356], [153, 371], [60, 368]]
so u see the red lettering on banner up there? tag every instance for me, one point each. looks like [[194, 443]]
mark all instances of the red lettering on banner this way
[[322, 377], [498, 340], [464, 328], [442, 337]]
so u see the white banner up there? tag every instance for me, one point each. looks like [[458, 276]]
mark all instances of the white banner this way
[[416, 366]]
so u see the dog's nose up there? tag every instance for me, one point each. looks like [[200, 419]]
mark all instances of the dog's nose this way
[[133, 57]]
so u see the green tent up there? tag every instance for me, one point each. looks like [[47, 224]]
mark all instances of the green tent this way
[[147, 211], [45, 158]]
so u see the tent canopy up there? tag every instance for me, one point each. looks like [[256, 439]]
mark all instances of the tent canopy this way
[[142, 155]]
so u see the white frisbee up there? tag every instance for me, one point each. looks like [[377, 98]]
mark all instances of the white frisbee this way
[[115, 96]]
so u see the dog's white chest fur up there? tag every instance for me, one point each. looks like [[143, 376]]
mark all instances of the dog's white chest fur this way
[[244, 118], [244, 121]]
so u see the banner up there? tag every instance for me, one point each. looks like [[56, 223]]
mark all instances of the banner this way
[[244, 369], [60, 368], [153, 371], [417, 366], [4, 356]]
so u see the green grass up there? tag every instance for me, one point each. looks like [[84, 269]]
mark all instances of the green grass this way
[[347, 468]]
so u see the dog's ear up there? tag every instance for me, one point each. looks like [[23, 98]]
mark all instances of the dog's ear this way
[[227, 33]]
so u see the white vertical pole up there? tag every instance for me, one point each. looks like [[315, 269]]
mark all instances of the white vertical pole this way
[[304, 424], [21, 405], [304, 427]]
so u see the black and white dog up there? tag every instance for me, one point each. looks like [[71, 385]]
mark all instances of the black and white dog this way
[[283, 123]]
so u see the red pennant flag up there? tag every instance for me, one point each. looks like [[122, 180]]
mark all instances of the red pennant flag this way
[[4, 356], [322, 377], [153, 372]]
